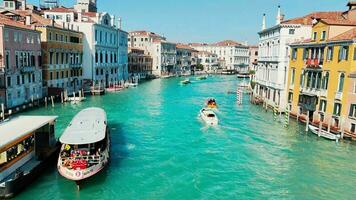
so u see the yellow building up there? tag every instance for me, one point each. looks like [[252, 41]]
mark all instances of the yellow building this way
[[320, 69], [62, 51]]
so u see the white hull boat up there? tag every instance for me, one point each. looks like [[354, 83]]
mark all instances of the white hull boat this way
[[324, 134], [85, 147], [209, 117]]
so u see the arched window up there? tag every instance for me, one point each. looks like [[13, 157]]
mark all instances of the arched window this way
[[325, 81], [341, 82], [318, 83]]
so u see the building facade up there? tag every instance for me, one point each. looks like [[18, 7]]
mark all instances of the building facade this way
[[184, 59], [320, 79], [104, 48], [234, 55], [273, 57], [20, 52], [163, 53], [140, 64], [208, 61]]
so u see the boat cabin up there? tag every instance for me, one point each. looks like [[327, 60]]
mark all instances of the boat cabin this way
[[25, 140]]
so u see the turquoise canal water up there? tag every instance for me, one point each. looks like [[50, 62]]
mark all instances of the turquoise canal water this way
[[162, 150]]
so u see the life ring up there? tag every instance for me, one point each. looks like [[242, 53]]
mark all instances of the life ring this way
[[78, 174]]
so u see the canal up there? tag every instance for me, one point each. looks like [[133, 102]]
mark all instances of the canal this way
[[162, 150]]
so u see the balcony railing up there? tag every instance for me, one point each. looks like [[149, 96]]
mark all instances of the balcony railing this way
[[314, 63], [310, 91], [338, 95], [28, 69]]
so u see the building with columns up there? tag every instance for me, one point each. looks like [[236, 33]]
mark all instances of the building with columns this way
[[321, 81], [273, 57]]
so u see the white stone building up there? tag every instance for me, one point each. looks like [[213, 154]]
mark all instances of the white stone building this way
[[184, 59], [209, 61], [163, 53], [273, 57], [234, 55], [104, 43]]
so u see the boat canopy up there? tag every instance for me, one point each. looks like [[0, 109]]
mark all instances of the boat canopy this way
[[18, 127], [87, 127]]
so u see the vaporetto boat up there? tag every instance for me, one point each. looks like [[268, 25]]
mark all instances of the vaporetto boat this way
[[85, 147]]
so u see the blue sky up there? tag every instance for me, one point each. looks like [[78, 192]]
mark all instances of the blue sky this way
[[207, 20]]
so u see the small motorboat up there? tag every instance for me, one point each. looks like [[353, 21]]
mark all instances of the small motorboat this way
[[131, 85], [85, 147], [185, 82], [243, 76], [324, 134], [244, 85], [211, 103], [209, 117], [200, 78]]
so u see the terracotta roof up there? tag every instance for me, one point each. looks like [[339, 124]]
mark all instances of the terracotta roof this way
[[339, 22], [228, 43], [205, 53], [348, 35], [6, 21], [308, 19], [183, 46], [89, 14], [61, 9], [37, 20]]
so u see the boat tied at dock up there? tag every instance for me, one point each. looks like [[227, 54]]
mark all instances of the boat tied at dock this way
[[27, 147], [85, 147]]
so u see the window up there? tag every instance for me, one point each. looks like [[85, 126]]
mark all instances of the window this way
[[325, 81], [330, 53], [323, 35], [352, 111], [292, 77], [341, 82], [337, 109], [322, 107], [353, 128], [7, 59], [7, 36], [315, 35], [9, 81], [294, 53], [50, 36], [343, 53], [291, 31], [290, 97]]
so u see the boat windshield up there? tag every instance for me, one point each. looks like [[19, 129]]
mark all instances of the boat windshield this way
[[211, 115]]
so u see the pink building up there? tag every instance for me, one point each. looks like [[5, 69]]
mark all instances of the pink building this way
[[20, 61]]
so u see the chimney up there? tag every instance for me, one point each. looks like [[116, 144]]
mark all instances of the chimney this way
[[79, 17], [23, 5], [264, 22], [119, 23], [28, 20], [112, 20], [279, 16]]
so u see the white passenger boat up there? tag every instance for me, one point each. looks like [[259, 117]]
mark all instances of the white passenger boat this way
[[27, 148], [85, 145], [132, 85], [209, 117], [324, 134]]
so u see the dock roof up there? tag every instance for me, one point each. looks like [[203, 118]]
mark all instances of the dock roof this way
[[87, 127], [18, 127]]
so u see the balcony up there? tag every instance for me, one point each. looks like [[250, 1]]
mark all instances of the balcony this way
[[338, 96], [28, 69], [314, 63], [75, 66], [323, 93], [310, 91]]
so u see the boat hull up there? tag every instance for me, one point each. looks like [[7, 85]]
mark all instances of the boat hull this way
[[208, 120], [11, 188], [324, 134]]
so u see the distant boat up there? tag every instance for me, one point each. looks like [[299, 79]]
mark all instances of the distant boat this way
[[324, 134], [131, 85], [185, 82], [243, 76], [209, 117], [202, 78], [85, 145], [27, 147], [211, 103]]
